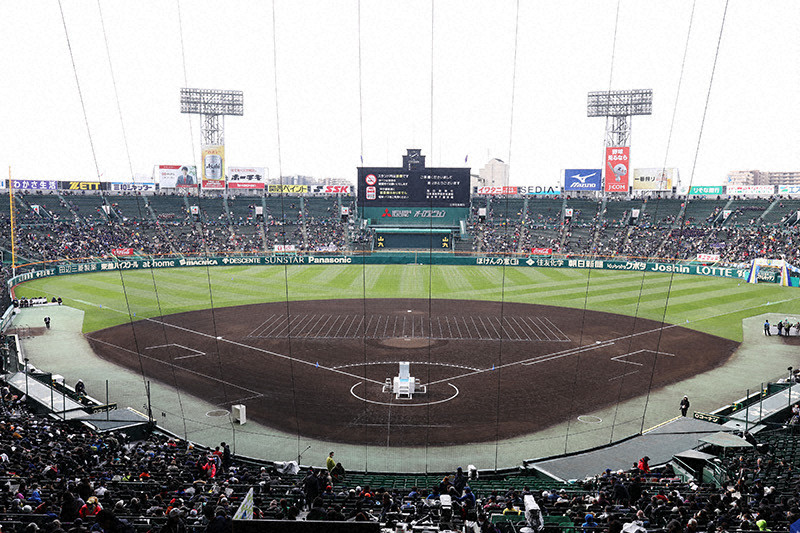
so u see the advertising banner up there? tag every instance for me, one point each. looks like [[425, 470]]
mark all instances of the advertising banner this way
[[330, 189], [132, 187], [247, 177], [176, 176], [122, 252], [287, 189], [771, 276], [284, 248], [541, 251], [582, 179], [416, 216], [616, 169], [707, 190], [495, 190], [708, 258], [82, 185], [654, 179], [540, 190], [788, 189], [750, 190], [33, 185], [213, 166]]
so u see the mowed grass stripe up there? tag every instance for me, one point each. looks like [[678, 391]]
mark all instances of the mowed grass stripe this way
[[686, 297]]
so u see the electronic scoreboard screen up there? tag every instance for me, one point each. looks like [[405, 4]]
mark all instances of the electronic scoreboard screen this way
[[421, 187]]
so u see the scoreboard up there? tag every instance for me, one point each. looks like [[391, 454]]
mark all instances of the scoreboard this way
[[413, 195], [424, 187]]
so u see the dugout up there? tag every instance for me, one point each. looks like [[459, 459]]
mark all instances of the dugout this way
[[438, 239]]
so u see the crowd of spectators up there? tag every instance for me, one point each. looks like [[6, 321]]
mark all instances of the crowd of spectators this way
[[60, 476], [316, 225]]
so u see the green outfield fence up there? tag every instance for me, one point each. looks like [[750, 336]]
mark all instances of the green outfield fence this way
[[44, 270]]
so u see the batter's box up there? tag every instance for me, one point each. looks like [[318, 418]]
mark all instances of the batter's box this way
[[624, 359], [192, 352]]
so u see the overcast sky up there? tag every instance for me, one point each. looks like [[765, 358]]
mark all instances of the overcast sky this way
[[564, 51]]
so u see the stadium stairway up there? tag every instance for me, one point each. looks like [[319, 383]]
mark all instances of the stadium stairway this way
[[772, 206]]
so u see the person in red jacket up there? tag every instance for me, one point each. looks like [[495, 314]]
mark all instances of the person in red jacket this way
[[90, 508], [644, 464]]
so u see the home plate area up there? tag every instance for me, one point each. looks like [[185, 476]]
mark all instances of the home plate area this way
[[476, 371]]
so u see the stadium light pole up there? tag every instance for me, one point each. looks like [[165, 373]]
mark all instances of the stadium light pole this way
[[619, 107], [212, 105]]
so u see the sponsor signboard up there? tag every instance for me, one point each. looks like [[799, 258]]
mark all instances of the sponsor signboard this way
[[707, 190], [33, 185], [494, 190], [582, 179], [540, 190], [246, 177], [121, 252], [82, 185], [132, 187], [771, 276], [287, 189], [617, 168], [176, 176], [750, 190], [654, 179], [708, 258], [788, 189], [541, 251], [284, 248], [213, 166], [330, 189], [714, 419]]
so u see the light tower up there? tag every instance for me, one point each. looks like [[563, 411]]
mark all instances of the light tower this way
[[619, 106], [212, 105]]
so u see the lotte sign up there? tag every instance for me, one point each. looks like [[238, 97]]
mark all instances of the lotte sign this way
[[617, 168]]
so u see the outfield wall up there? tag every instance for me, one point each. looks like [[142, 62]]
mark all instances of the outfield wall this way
[[400, 258]]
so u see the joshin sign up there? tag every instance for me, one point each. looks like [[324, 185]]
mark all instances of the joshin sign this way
[[616, 169], [213, 166]]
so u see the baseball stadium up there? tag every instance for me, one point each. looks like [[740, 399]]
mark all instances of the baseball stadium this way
[[416, 347]]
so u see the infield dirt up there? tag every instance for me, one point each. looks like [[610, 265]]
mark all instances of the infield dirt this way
[[492, 370]]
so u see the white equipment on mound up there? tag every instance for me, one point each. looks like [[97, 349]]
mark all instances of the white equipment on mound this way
[[403, 386]]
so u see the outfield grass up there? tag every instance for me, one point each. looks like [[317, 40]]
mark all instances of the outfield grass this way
[[713, 305]]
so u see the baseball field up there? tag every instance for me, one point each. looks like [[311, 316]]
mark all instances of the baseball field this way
[[308, 349]]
